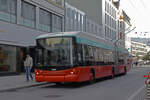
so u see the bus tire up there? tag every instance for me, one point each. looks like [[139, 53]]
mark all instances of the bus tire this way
[[92, 76], [58, 83], [113, 73], [125, 70]]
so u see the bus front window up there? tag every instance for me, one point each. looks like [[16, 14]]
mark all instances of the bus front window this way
[[55, 51]]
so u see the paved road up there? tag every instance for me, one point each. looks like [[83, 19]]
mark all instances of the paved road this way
[[125, 87]]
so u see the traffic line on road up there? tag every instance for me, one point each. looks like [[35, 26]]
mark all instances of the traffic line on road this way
[[136, 93]]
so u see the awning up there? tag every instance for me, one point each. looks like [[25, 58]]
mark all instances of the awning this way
[[13, 34]]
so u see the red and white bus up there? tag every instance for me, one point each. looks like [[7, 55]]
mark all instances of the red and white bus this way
[[77, 57]]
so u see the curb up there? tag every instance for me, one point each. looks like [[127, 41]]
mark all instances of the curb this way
[[22, 87]]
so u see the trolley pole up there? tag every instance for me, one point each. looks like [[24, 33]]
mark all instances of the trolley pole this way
[[115, 50]]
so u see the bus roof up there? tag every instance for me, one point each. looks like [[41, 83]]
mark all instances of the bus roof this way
[[73, 34], [83, 37]]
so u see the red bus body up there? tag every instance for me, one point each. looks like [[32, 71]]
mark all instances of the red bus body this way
[[79, 73]]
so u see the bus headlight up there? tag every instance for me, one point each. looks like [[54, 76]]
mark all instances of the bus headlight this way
[[71, 72], [37, 73]]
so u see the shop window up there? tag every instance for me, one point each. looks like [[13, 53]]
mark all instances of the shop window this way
[[8, 10], [7, 58]]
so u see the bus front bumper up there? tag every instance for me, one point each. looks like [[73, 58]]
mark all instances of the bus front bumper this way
[[65, 78]]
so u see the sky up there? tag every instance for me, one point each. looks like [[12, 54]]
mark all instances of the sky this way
[[139, 12]]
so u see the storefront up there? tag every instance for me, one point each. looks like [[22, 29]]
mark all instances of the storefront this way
[[12, 58], [19, 29], [8, 58]]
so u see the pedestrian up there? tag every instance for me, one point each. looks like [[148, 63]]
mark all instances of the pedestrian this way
[[136, 63], [28, 63]]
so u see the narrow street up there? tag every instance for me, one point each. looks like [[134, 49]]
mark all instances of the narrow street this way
[[124, 87]]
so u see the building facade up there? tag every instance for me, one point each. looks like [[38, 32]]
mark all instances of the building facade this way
[[21, 21], [102, 16], [76, 20], [124, 28], [138, 50], [94, 28], [128, 44], [111, 20]]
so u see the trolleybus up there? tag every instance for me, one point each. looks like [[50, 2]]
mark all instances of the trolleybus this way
[[77, 57]]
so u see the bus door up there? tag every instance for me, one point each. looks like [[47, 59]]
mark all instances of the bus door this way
[[39, 56]]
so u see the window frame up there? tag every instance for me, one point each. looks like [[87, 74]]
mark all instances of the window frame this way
[[54, 26], [9, 15], [50, 19], [23, 15]]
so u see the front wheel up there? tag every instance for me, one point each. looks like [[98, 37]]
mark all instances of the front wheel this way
[[91, 78], [125, 70], [59, 83], [113, 73]]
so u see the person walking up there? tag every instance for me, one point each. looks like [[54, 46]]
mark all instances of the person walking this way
[[28, 63]]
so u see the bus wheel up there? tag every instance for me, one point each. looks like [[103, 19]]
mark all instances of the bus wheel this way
[[113, 73], [92, 77], [125, 70], [58, 83]]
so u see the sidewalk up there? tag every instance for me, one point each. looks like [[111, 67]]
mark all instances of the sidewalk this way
[[17, 82], [141, 66]]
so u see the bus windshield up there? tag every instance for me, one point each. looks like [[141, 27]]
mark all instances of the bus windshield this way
[[54, 52]]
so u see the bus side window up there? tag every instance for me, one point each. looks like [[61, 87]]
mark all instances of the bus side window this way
[[101, 56], [86, 55], [96, 55], [79, 55], [90, 55]]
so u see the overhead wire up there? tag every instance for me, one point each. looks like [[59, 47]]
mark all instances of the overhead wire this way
[[145, 14], [137, 13], [138, 9], [136, 5], [142, 2]]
